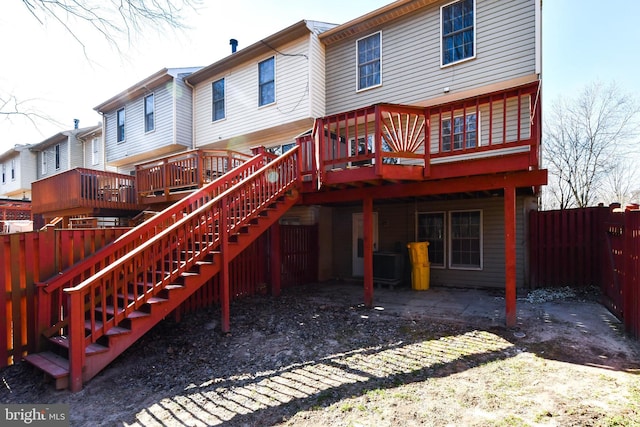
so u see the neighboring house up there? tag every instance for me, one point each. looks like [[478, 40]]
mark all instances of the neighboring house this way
[[60, 153], [93, 152], [150, 119], [263, 95], [18, 169]]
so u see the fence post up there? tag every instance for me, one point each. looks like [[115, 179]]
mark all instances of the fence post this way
[[76, 338]]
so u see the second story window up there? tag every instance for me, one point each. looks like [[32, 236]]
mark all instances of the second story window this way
[[217, 89], [267, 81], [57, 150], [4, 173], [461, 133], [43, 164], [457, 23], [149, 108], [369, 61], [13, 169], [120, 124], [95, 151]]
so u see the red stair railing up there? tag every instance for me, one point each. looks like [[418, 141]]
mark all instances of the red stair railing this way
[[51, 301], [164, 257]]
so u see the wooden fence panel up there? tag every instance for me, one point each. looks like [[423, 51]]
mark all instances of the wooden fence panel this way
[[566, 247], [299, 254], [631, 286], [26, 259]]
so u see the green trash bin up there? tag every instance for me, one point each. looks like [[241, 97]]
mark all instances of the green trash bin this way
[[420, 271]]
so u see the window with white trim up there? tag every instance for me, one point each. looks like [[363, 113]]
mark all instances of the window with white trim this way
[[465, 240], [369, 59], [217, 90], [95, 151], [43, 164], [149, 113], [431, 228], [57, 156], [120, 125], [457, 26], [463, 133], [267, 81], [4, 173]]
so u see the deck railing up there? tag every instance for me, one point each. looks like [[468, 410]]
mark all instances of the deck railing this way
[[496, 124], [51, 312], [84, 188], [185, 171]]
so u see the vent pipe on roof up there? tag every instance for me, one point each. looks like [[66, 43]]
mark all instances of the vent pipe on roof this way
[[76, 122], [234, 45]]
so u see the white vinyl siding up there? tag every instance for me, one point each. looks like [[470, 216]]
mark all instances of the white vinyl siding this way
[[265, 126], [505, 50], [316, 69]]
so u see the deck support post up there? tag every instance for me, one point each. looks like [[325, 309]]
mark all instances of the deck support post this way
[[223, 227], [275, 259], [510, 254], [76, 340], [367, 233]]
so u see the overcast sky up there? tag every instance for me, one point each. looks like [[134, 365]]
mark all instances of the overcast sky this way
[[583, 41]]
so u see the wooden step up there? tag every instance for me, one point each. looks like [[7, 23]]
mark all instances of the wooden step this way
[[116, 330], [93, 348], [109, 309], [52, 364]]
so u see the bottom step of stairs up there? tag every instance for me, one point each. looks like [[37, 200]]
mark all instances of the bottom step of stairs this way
[[53, 365]]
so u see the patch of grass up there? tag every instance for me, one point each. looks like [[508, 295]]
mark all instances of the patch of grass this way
[[376, 392], [346, 407], [511, 421]]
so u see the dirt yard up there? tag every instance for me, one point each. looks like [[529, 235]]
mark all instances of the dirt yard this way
[[306, 359]]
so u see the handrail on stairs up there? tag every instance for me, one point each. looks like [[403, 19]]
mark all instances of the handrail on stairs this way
[[163, 257]]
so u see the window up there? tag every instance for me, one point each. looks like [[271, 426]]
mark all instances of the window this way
[[281, 149], [95, 151], [43, 164], [465, 240], [149, 108], [369, 52], [463, 134], [120, 124], [4, 173], [57, 151], [431, 229], [217, 89], [267, 81], [457, 23]]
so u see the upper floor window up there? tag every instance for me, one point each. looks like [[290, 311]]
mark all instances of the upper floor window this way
[[369, 55], [466, 239], [217, 89], [120, 124], [13, 169], [149, 108], [43, 164], [95, 151], [457, 23], [4, 173], [267, 81], [57, 151], [463, 133]]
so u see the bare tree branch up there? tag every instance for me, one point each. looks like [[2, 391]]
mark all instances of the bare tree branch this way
[[586, 139]]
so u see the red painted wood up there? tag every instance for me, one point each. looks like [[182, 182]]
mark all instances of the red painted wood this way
[[510, 254], [275, 253], [367, 226]]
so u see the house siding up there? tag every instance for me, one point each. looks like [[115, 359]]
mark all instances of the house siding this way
[[411, 72], [183, 113], [242, 114], [25, 173], [397, 228], [137, 142], [317, 86]]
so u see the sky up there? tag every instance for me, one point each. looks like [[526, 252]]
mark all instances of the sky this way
[[57, 76]]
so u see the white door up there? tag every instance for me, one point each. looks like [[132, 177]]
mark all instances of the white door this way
[[358, 243]]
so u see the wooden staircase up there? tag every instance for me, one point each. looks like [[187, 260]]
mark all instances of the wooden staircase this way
[[96, 310]]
